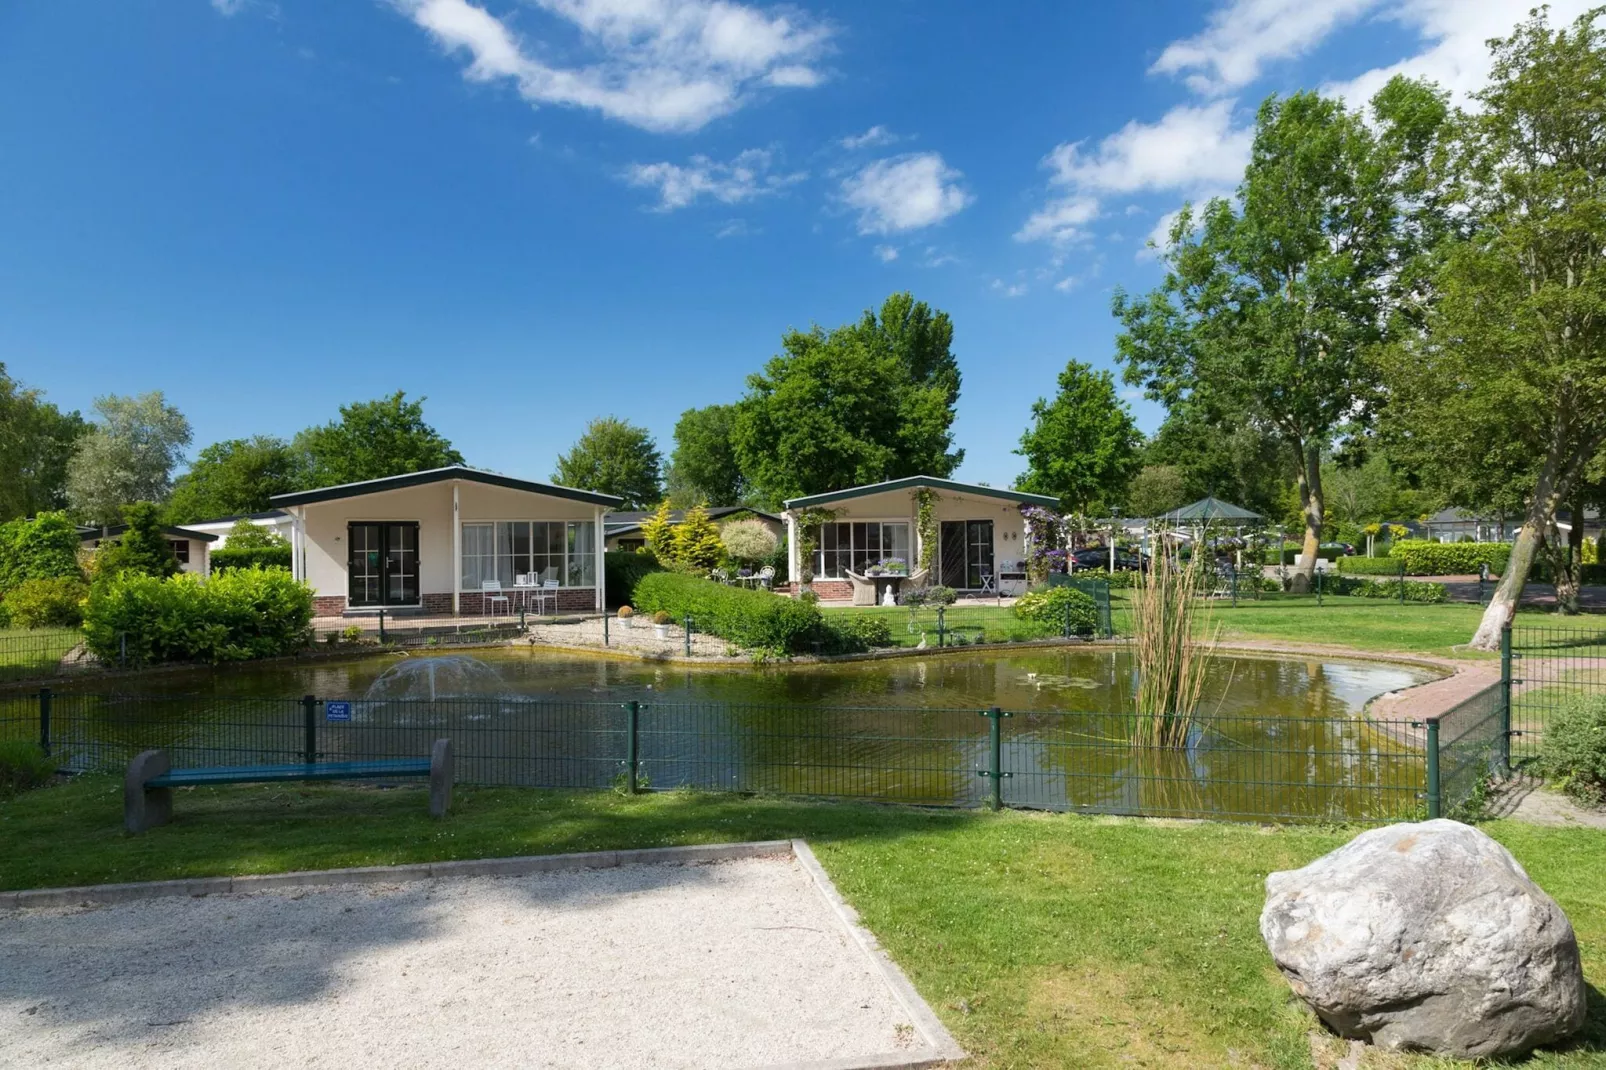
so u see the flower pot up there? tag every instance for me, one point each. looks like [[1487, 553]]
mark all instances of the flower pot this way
[[661, 630]]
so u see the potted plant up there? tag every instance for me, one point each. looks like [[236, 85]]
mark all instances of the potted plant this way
[[626, 615], [660, 624], [895, 566]]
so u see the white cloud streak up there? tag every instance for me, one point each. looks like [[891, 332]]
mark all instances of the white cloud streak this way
[[1245, 35], [904, 193], [744, 178], [874, 137], [886, 253], [661, 65]]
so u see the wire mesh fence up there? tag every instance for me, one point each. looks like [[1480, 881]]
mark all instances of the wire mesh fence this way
[[1472, 745], [1241, 768], [1550, 662], [36, 653]]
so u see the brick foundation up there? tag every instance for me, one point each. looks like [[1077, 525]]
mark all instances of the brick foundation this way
[[830, 590], [328, 605], [436, 603], [569, 600]]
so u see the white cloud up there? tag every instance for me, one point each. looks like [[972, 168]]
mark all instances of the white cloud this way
[[1189, 146], [1071, 282], [1008, 289], [733, 228], [663, 65], [230, 8], [1132, 393], [887, 253], [1455, 34], [1242, 36], [748, 176], [871, 138], [904, 193], [936, 258], [1062, 220]]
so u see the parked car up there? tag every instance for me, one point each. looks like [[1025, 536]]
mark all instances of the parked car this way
[[1343, 548], [1098, 557]]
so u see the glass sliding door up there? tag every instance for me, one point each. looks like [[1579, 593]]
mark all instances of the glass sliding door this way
[[382, 564], [965, 552]]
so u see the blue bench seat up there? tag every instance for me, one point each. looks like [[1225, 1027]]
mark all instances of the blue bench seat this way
[[259, 774]]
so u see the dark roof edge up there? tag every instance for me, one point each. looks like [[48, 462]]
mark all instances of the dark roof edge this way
[[113, 530], [440, 475], [912, 482]]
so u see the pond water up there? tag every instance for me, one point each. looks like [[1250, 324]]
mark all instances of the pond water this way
[[1279, 738]]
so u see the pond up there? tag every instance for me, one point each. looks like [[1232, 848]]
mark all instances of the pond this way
[[1279, 737]]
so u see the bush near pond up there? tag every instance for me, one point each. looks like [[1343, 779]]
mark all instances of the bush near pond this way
[[1056, 606], [622, 570], [1574, 748], [1423, 557], [853, 633], [46, 603], [23, 767], [235, 616], [755, 619]]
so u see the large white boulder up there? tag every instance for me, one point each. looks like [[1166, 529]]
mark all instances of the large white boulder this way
[[1427, 937]]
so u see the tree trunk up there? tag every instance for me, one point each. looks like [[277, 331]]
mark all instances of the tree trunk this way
[[1541, 515], [1563, 568], [1309, 480]]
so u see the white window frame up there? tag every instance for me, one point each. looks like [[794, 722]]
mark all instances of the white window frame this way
[[564, 562], [818, 565]]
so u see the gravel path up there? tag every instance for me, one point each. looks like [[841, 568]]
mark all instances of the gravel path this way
[[731, 964]]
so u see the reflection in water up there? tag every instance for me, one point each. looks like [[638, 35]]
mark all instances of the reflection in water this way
[[1280, 738]]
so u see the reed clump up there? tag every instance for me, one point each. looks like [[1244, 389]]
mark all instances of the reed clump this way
[[1172, 642]]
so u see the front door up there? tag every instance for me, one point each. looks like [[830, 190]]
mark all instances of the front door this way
[[382, 564], [966, 551]]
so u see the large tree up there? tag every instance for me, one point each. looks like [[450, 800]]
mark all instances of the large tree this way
[[866, 402], [1506, 384], [614, 457], [1238, 463], [1272, 300], [127, 456], [235, 477], [372, 440], [1082, 447], [36, 442], [703, 467]]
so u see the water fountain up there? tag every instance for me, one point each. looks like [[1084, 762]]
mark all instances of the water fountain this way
[[449, 676]]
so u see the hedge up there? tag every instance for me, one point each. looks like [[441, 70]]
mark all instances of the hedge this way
[[1415, 590], [1424, 557], [621, 571], [52, 603], [1057, 605], [225, 558], [234, 616], [757, 620], [1370, 566], [1291, 551], [1573, 752]]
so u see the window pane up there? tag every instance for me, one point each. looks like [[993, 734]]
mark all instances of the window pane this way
[[895, 543], [582, 554]]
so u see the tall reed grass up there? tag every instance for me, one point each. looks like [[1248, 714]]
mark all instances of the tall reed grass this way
[[1173, 642]]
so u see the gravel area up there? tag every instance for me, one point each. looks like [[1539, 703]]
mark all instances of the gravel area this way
[[639, 638], [728, 964]]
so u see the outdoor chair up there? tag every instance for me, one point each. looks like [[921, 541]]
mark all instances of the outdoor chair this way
[[863, 589], [490, 595], [988, 587], [766, 577], [918, 580], [719, 575], [547, 596]]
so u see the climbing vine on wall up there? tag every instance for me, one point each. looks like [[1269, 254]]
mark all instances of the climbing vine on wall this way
[[808, 535], [926, 501]]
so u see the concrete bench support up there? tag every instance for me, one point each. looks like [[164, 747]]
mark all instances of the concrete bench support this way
[[144, 807], [440, 778]]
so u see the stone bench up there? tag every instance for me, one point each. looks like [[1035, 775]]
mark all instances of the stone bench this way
[[148, 786]]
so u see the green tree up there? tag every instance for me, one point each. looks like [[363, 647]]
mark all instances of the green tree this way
[[614, 457], [697, 541], [43, 547], [1509, 370], [703, 466], [142, 548], [1156, 489], [1271, 302], [869, 401], [245, 535], [236, 476], [1239, 463], [372, 440], [128, 456], [1082, 447], [36, 442]]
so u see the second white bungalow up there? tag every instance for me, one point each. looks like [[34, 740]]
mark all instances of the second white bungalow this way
[[980, 533]]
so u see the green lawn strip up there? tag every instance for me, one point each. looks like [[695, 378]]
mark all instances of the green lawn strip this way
[[987, 624], [34, 651], [1041, 940]]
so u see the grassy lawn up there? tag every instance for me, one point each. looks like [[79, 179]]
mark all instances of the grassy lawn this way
[[965, 623], [1041, 940], [26, 652]]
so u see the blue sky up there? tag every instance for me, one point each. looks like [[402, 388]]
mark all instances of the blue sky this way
[[539, 211]]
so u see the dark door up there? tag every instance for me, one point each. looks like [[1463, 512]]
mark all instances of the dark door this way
[[978, 551], [966, 552], [951, 563], [382, 564]]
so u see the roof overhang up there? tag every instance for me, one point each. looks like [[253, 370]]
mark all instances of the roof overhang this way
[[923, 482], [87, 533], [442, 475]]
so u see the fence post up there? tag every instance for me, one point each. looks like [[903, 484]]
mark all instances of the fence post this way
[[632, 753], [1318, 581], [995, 741], [1402, 581], [939, 626], [1235, 588], [1066, 623], [309, 716], [44, 720], [605, 627], [381, 627], [122, 650], [688, 636], [1505, 698], [1435, 802]]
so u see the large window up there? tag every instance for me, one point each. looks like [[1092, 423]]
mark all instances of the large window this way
[[562, 550], [854, 547]]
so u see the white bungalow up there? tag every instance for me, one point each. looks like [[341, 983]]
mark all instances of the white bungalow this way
[[980, 533], [432, 541], [191, 546]]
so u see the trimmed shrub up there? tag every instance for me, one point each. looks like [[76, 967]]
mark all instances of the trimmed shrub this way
[[754, 619], [1370, 566], [622, 570], [749, 541], [1423, 557], [1574, 748], [852, 633], [142, 548], [235, 616], [43, 548], [1292, 550], [52, 603], [1415, 590], [1593, 575], [229, 557], [1054, 606], [23, 767]]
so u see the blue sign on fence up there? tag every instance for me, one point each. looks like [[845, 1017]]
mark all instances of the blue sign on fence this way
[[337, 711]]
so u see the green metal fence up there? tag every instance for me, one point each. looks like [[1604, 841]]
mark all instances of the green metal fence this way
[[1466, 747], [30, 654], [1549, 662], [1242, 768]]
